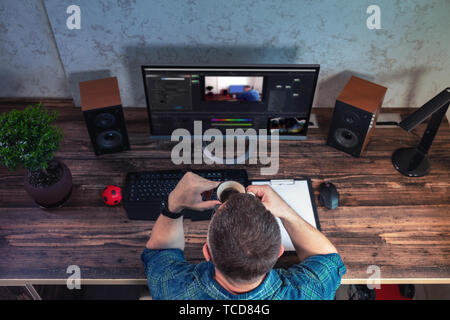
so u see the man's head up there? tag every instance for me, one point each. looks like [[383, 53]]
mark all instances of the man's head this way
[[247, 88], [244, 239]]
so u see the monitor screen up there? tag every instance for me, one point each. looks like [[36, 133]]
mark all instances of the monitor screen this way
[[267, 97]]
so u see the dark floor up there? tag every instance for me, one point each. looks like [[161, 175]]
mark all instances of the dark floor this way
[[132, 292], [88, 292], [418, 292]]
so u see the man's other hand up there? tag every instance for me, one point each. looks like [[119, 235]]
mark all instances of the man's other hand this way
[[271, 200], [188, 194]]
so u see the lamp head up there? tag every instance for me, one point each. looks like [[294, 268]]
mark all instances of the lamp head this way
[[425, 111]]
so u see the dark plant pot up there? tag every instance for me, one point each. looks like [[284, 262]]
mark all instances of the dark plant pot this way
[[56, 194]]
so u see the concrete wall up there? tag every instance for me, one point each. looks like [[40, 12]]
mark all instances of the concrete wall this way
[[409, 54], [29, 61]]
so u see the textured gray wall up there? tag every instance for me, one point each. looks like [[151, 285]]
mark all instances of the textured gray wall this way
[[29, 62], [410, 54]]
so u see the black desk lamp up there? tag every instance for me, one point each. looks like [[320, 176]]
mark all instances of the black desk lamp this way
[[413, 162]]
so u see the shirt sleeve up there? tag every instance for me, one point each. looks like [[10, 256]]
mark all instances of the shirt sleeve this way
[[317, 276], [163, 267]]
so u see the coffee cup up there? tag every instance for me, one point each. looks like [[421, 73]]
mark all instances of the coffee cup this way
[[227, 188]]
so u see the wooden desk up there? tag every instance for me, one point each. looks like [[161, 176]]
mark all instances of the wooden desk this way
[[400, 224]]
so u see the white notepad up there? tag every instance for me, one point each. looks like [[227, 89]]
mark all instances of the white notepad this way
[[298, 194]]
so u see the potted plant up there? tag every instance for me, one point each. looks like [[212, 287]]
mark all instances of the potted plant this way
[[28, 139]]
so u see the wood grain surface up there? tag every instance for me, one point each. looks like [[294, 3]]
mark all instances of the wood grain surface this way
[[400, 224]]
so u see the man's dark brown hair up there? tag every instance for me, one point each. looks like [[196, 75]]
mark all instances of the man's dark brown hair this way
[[244, 239]]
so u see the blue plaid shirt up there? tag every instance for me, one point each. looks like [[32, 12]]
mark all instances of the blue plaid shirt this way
[[170, 276]]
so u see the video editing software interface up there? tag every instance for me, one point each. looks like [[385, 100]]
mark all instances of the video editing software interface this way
[[259, 97]]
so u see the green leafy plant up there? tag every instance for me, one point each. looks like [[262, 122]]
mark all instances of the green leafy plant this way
[[28, 138]]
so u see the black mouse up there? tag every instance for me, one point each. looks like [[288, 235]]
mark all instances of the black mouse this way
[[328, 197]]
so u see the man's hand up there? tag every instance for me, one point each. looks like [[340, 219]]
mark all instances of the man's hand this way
[[307, 240], [168, 233], [272, 201], [188, 194]]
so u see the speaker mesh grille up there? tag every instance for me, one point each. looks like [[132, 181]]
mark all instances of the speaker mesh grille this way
[[110, 139], [346, 138]]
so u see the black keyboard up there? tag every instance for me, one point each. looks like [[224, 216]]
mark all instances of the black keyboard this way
[[144, 191]]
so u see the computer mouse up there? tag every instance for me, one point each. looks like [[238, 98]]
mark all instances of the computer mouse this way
[[328, 195]]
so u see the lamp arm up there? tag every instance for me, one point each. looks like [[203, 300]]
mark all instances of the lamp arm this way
[[432, 129]]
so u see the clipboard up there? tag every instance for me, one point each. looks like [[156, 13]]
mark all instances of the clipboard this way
[[298, 193]]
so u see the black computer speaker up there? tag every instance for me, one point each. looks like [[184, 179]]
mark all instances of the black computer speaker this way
[[102, 110], [354, 116]]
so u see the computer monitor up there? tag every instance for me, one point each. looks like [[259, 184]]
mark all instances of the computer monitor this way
[[271, 97]]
